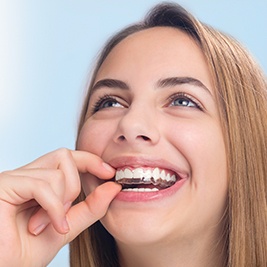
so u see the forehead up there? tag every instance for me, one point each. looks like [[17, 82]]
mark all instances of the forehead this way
[[158, 51]]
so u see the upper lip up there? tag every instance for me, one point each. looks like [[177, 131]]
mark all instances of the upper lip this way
[[148, 162]]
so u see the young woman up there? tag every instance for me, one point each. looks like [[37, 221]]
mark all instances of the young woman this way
[[171, 152]]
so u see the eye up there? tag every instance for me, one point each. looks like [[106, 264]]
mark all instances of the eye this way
[[183, 100], [106, 101]]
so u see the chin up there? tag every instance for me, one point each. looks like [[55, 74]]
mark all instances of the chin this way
[[138, 226]]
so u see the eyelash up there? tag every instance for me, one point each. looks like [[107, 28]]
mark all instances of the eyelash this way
[[106, 98], [185, 97], [101, 101]]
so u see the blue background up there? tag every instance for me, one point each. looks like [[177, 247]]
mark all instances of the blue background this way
[[47, 49]]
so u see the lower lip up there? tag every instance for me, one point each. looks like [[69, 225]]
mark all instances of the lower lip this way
[[129, 196]]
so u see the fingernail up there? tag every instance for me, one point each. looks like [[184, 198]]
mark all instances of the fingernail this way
[[39, 229], [65, 225], [108, 167]]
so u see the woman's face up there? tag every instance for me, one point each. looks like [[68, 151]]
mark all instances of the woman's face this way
[[153, 117]]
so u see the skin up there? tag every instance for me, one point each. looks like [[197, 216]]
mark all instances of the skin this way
[[145, 127], [181, 227], [35, 204]]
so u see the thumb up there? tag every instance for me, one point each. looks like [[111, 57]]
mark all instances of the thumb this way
[[93, 208]]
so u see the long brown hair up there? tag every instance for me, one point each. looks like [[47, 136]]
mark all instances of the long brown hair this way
[[241, 92]]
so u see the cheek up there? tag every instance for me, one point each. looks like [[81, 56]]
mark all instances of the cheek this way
[[198, 140], [94, 137], [202, 145], [210, 166], [204, 150]]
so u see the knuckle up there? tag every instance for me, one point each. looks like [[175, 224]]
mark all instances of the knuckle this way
[[42, 184], [63, 153]]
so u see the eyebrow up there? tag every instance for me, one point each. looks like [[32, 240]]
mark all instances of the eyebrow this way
[[110, 83], [173, 81], [162, 83]]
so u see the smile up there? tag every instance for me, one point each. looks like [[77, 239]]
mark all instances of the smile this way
[[145, 179]]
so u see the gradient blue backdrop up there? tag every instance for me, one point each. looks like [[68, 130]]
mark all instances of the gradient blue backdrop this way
[[47, 48]]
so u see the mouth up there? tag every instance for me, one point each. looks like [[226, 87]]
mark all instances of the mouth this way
[[145, 179]]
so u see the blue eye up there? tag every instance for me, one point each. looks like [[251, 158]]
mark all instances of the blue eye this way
[[183, 100], [106, 102]]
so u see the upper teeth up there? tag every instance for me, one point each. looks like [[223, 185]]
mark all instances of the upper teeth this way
[[146, 176]]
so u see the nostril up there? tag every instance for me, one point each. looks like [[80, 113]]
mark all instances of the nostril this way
[[145, 138], [122, 138]]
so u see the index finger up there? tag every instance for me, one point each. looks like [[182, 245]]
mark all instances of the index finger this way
[[71, 160], [88, 162]]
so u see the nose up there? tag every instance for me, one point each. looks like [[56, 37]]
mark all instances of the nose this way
[[138, 125]]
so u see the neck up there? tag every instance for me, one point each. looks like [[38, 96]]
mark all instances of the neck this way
[[195, 253]]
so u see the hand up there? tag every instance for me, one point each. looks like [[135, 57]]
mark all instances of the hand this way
[[36, 216]]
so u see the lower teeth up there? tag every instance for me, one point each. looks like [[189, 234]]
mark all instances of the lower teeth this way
[[141, 189]]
